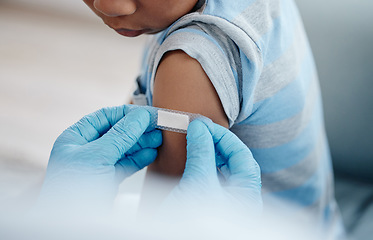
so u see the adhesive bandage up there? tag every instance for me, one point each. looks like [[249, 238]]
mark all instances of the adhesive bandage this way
[[171, 120]]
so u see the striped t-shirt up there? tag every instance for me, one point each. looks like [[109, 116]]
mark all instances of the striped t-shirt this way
[[257, 56]]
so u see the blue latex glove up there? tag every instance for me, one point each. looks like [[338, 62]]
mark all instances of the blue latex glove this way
[[91, 158], [200, 187]]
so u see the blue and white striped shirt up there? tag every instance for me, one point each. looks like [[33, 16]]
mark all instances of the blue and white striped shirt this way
[[257, 56]]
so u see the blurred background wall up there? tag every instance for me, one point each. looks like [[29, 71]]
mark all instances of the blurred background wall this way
[[58, 62], [68, 7], [341, 36]]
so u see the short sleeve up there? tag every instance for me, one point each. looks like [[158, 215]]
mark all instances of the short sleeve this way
[[216, 57]]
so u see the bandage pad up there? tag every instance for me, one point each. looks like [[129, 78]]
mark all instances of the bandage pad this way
[[171, 120], [175, 121]]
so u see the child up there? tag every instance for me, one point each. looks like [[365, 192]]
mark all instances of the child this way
[[247, 65]]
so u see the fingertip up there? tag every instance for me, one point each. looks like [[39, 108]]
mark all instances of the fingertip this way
[[196, 128], [207, 121], [141, 112], [141, 115], [215, 129], [127, 108]]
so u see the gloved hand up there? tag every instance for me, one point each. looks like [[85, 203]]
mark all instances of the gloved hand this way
[[200, 187], [91, 158]]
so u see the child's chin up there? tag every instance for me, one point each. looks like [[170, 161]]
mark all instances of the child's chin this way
[[130, 33]]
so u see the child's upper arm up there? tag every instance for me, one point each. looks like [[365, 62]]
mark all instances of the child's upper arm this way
[[181, 84]]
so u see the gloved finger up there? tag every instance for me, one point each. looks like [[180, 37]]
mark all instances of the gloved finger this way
[[151, 139], [119, 139], [135, 162], [241, 163], [200, 166], [94, 125], [151, 110]]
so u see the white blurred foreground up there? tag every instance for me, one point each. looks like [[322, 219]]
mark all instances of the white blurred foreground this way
[[170, 222]]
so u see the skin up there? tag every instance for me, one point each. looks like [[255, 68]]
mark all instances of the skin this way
[[180, 82], [135, 17]]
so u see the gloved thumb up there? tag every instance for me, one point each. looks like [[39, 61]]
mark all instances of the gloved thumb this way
[[200, 165], [123, 135]]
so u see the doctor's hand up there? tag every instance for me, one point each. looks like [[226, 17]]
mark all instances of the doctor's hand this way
[[91, 158], [239, 185]]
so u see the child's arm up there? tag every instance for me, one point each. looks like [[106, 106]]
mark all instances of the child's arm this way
[[181, 84]]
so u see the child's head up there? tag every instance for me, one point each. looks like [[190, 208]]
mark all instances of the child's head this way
[[135, 17]]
